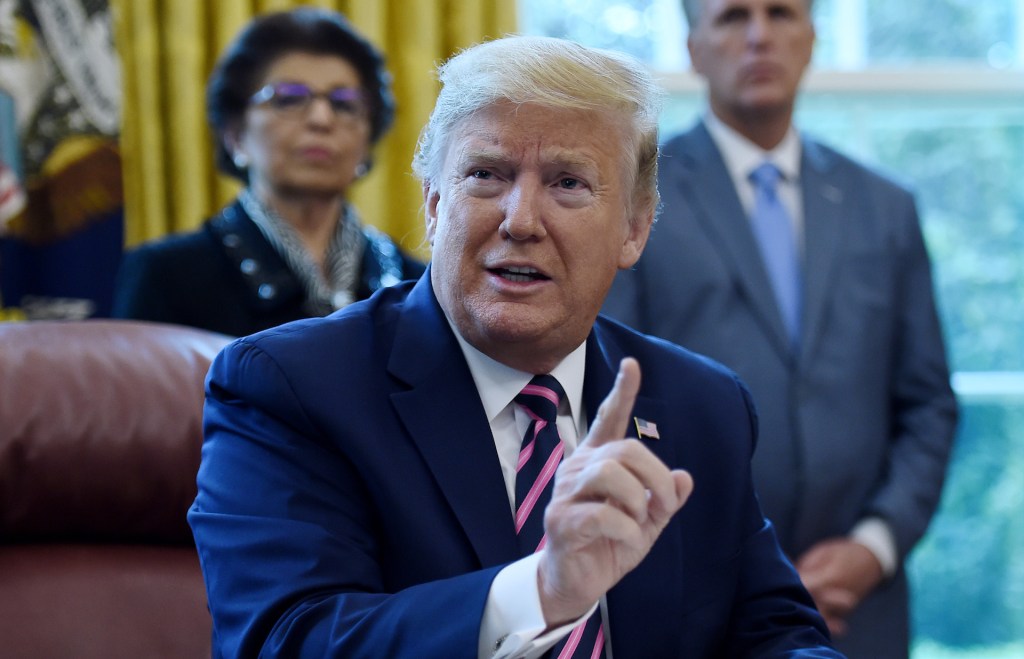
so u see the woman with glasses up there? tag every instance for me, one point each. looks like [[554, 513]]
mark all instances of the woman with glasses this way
[[296, 104]]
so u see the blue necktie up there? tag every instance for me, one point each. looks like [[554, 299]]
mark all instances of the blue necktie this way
[[773, 229]]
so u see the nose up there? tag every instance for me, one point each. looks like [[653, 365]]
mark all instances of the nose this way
[[320, 111], [758, 28], [523, 217]]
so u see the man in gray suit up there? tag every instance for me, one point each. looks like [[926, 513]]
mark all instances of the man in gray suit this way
[[828, 316]]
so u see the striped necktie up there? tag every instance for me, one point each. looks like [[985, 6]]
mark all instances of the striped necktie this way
[[539, 457]]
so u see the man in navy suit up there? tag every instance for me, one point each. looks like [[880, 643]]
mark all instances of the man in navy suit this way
[[847, 366], [358, 482]]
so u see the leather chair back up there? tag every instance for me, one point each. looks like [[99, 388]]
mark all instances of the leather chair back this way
[[100, 435]]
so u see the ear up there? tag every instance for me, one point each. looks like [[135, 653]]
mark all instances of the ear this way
[[814, 40], [693, 47], [431, 198], [232, 138], [636, 237]]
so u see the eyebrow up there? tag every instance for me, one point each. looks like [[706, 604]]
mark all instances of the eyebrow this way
[[572, 161], [311, 87], [485, 156]]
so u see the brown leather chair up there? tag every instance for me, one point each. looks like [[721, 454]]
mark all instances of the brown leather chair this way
[[100, 434]]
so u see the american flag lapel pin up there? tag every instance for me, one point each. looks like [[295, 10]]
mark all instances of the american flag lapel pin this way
[[645, 428]]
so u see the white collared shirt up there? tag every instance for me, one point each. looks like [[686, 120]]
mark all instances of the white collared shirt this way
[[498, 385], [513, 621], [742, 156]]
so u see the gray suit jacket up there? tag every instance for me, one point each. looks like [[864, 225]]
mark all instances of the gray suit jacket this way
[[861, 420]]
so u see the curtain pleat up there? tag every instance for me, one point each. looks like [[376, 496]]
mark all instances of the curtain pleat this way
[[167, 50]]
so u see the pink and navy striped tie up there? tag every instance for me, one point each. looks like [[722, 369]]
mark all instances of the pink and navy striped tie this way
[[539, 456]]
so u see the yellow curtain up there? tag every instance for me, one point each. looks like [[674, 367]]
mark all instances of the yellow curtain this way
[[167, 50]]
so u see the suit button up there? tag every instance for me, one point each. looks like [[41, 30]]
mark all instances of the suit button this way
[[266, 291], [231, 240], [250, 266]]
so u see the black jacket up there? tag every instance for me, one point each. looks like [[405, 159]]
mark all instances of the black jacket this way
[[226, 277]]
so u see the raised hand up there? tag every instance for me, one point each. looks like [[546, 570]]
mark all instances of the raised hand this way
[[612, 499]]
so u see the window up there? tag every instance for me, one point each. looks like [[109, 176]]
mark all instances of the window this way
[[931, 91]]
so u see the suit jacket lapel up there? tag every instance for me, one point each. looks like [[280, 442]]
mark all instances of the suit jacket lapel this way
[[719, 210], [456, 444], [603, 357], [824, 219], [629, 628]]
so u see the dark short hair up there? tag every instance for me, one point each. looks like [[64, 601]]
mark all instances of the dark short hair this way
[[244, 63], [693, 8]]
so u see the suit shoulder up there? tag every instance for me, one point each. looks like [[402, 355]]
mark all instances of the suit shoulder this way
[[659, 357], [690, 385], [345, 334], [185, 249], [178, 267], [680, 143], [848, 167]]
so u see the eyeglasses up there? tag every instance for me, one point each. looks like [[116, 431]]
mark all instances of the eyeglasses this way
[[294, 98]]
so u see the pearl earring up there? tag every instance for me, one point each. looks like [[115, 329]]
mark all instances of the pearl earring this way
[[241, 162], [361, 170]]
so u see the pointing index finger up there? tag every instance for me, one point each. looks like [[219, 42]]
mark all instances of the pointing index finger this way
[[613, 414]]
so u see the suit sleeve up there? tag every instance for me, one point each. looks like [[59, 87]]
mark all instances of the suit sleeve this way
[[923, 405], [285, 533]]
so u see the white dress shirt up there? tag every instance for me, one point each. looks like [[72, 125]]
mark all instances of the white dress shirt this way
[[742, 157], [513, 622]]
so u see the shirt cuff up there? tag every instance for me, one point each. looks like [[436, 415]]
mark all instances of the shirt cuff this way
[[513, 621], [875, 534]]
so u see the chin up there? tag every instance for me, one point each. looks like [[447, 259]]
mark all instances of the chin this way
[[508, 328], [765, 105], [318, 188]]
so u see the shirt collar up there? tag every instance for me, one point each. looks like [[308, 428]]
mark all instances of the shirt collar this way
[[499, 384], [742, 156]]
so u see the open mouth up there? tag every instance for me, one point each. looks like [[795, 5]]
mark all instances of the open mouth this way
[[520, 274]]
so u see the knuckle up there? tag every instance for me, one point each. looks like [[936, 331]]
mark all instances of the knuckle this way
[[597, 470], [628, 449]]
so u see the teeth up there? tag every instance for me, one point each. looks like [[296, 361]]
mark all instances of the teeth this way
[[522, 270], [520, 273]]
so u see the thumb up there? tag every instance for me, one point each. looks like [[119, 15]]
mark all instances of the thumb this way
[[614, 412]]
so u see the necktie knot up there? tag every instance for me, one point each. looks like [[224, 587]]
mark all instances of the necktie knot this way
[[766, 177], [541, 397]]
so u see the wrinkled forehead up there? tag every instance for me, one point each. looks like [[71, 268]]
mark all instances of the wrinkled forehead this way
[[503, 132]]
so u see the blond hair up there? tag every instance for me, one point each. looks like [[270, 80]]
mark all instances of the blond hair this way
[[554, 73]]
